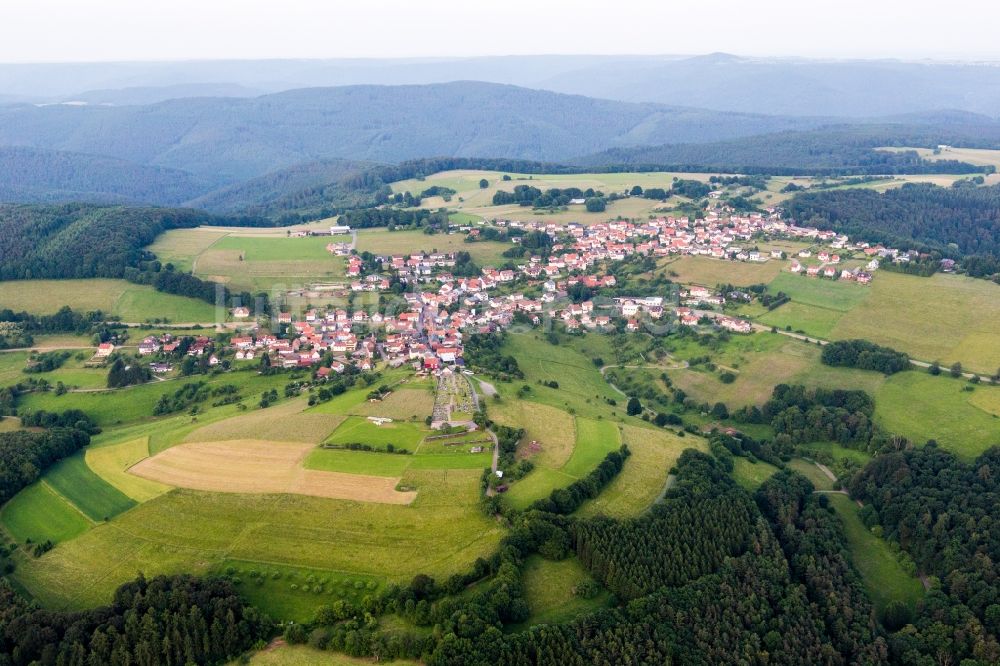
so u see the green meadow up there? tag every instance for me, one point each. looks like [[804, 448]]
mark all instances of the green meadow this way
[[884, 577], [962, 418], [94, 496], [38, 514], [130, 302]]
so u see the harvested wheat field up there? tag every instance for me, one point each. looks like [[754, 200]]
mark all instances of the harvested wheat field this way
[[257, 466]]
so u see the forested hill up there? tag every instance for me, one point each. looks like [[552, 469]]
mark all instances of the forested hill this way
[[31, 175], [79, 241], [236, 139], [967, 218], [838, 149], [273, 190]]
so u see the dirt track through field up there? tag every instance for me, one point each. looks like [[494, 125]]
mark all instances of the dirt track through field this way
[[258, 466]]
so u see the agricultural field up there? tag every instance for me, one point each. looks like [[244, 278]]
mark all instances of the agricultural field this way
[[383, 242], [260, 466], [250, 258], [402, 404], [38, 514], [962, 418], [395, 464], [357, 430], [478, 202], [113, 462], [440, 533], [92, 495], [130, 302], [884, 577]]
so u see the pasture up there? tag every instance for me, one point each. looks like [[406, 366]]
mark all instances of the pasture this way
[[809, 470], [92, 495], [258, 466], [38, 514], [293, 593], [440, 533], [581, 390], [710, 272], [130, 302], [303, 655], [644, 477], [944, 317], [385, 242], [549, 592], [478, 202], [136, 403], [760, 362], [920, 406], [552, 429], [880, 569], [751, 475], [594, 440], [358, 430]]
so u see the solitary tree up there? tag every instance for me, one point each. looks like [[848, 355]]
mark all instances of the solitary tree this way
[[956, 369], [633, 407], [483, 184]]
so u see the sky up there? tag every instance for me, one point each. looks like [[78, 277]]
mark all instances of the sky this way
[[117, 30]]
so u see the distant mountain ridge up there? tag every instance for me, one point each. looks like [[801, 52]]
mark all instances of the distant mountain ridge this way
[[719, 81], [232, 139]]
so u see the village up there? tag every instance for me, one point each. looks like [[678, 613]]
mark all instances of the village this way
[[435, 308]]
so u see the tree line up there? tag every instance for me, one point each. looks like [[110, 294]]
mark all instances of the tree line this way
[[162, 621], [959, 222], [25, 455], [865, 355]]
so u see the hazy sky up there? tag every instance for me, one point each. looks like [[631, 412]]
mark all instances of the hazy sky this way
[[95, 30]]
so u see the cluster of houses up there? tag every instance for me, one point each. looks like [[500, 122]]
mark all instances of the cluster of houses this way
[[441, 307]]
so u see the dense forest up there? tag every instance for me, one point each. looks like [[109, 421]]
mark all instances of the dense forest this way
[[959, 221], [88, 241], [31, 175], [25, 455], [800, 415], [831, 150], [943, 512], [163, 621]]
